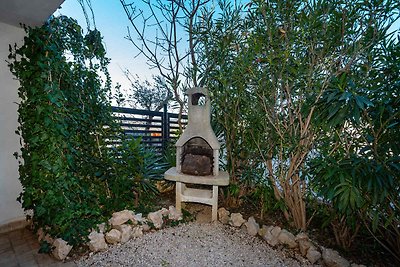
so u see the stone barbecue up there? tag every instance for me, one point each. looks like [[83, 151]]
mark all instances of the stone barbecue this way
[[197, 156]]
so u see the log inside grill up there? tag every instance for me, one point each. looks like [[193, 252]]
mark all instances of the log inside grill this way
[[199, 165], [197, 158]]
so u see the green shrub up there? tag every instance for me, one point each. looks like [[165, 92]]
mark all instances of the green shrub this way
[[137, 168]]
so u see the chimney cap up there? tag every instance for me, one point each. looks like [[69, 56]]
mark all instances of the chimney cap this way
[[196, 90]]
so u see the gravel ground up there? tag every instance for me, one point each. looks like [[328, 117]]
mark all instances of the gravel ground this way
[[195, 244]]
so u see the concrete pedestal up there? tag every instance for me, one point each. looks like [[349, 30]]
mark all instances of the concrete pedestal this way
[[204, 196]]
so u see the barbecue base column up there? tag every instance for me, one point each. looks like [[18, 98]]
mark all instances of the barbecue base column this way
[[203, 196]]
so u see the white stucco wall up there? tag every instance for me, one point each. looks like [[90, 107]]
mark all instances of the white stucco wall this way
[[10, 187]]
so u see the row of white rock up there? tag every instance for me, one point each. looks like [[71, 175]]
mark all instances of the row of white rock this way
[[275, 236], [126, 225]]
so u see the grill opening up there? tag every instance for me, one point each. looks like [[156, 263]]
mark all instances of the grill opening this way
[[197, 157], [198, 99]]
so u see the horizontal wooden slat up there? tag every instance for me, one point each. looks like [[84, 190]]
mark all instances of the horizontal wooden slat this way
[[136, 111], [159, 120], [175, 115], [135, 125], [142, 131]]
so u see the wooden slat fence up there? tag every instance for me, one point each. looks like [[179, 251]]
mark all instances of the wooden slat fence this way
[[155, 127]]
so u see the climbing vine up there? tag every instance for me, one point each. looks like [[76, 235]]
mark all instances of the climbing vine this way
[[67, 169]]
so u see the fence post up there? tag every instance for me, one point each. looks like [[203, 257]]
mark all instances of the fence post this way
[[165, 128]]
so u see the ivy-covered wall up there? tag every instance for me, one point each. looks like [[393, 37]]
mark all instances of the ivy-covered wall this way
[[30, 13], [10, 187], [72, 172], [64, 120]]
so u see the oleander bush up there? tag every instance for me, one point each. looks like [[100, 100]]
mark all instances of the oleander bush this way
[[307, 96]]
